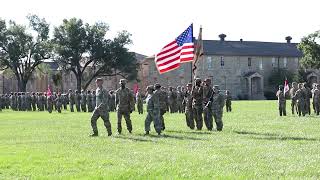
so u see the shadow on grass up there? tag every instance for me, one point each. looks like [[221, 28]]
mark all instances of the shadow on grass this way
[[171, 137], [191, 132], [133, 138], [272, 136]]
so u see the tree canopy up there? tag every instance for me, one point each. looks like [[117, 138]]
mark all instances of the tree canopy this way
[[84, 50], [23, 48], [310, 46]]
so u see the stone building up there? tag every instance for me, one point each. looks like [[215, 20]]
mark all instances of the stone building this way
[[243, 67]]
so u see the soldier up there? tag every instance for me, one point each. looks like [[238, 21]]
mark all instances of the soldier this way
[[33, 101], [292, 92], [112, 102], [39, 101], [71, 100], [172, 100], [50, 102], [7, 101], [308, 95], [179, 99], [228, 101], [217, 103], [23, 101], [125, 102], [12, 101], [207, 113], [163, 100], [44, 101], [153, 109], [94, 99], [281, 101], [197, 105], [19, 103], [64, 99], [77, 99], [183, 93], [101, 109], [58, 102], [187, 102], [54, 97], [89, 101], [83, 101], [316, 99], [300, 99], [139, 101]]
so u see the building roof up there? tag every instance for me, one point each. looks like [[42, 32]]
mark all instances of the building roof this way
[[140, 57], [250, 48]]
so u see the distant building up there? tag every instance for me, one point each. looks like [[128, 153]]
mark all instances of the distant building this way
[[243, 67], [39, 82]]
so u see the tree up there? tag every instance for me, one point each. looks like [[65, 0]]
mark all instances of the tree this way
[[278, 76], [310, 47], [23, 48], [84, 50]]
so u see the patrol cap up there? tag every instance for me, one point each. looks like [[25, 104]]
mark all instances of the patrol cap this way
[[157, 86], [198, 79], [122, 81]]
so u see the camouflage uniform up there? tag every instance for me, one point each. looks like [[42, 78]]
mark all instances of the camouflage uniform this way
[[71, 100], [293, 100], [163, 100], [112, 102], [64, 98], [77, 99], [207, 112], [125, 103], [228, 101], [281, 101], [172, 100], [83, 101], [300, 99], [89, 101], [183, 93], [197, 105], [316, 99], [33, 101], [101, 110], [94, 100], [23, 101], [187, 102], [217, 103], [19, 102], [179, 100], [153, 109], [58, 102], [44, 101], [13, 102], [307, 98], [139, 102], [50, 102]]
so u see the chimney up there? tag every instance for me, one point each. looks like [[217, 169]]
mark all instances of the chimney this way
[[288, 38], [241, 40], [222, 36]]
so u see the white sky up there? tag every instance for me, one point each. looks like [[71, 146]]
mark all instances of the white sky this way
[[153, 24]]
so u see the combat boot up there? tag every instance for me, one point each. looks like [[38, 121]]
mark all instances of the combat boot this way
[[147, 133], [93, 135]]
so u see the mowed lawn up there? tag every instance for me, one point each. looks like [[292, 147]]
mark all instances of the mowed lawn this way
[[255, 144]]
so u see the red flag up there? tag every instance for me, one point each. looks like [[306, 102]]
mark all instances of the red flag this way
[[135, 88], [49, 91], [286, 86]]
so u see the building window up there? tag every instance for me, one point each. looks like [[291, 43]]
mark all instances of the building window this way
[[249, 62], [273, 62], [260, 65], [222, 61], [285, 62], [209, 63]]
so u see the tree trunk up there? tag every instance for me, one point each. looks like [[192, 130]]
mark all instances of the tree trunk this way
[[22, 84], [78, 76]]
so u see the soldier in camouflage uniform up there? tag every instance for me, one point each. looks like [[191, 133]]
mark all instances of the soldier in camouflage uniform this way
[[19, 103], [307, 98], [64, 98], [94, 99], [316, 99], [77, 98], [101, 108], [187, 102], [179, 100], [197, 105], [183, 93], [71, 100], [300, 99], [228, 101], [125, 103], [153, 109], [217, 103], [44, 101], [163, 100], [13, 101], [139, 102], [33, 101], [281, 101], [207, 113], [58, 102], [112, 102], [89, 101], [50, 102], [7, 101], [23, 101], [292, 92], [83, 101], [173, 100]]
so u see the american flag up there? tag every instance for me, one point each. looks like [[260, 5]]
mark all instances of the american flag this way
[[180, 50]]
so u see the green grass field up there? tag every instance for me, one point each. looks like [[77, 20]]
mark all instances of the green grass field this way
[[255, 144]]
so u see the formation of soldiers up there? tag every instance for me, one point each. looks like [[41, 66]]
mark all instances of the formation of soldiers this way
[[300, 95]]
